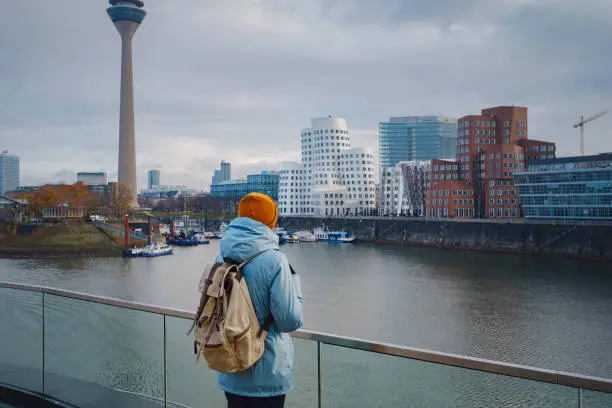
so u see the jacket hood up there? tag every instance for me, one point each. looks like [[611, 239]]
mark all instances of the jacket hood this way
[[245, 237]]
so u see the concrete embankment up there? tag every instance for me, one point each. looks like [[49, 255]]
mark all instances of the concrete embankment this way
[[571, 240]]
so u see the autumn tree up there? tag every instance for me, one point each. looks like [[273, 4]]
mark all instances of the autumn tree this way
[[75, 195], [71, 195], [120, 199]]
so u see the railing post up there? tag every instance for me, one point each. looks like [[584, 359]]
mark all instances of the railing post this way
[[165, 364], [127, 231], [43, 343], [150, 229], [319, 377]]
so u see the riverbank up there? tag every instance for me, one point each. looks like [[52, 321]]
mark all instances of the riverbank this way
[[565, 240], [61, 241]]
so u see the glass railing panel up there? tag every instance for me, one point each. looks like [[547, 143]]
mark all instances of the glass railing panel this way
[[354, 378], [21, 339], [189, 384], [594, 399], [103, 356], [305, 389]]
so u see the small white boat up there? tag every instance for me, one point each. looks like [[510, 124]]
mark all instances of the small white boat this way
[[325, 235], [218, 234], [202, 240], [156, 250], [288, 238], [306, 236], [279, 231], [133, 252]]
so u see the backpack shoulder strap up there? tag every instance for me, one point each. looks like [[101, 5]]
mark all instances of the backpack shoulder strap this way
[[204, 296], [243, 263], [269, 320], [267, 324], [249, 259]]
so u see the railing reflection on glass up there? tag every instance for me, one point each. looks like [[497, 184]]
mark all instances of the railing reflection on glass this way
[[87, 350]]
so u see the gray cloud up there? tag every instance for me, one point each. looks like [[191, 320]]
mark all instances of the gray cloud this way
[[237, 79]]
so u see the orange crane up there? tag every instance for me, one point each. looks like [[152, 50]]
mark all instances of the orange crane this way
[[581, 124]]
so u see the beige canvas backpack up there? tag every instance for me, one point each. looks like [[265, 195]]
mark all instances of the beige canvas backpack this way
[[227, 332]]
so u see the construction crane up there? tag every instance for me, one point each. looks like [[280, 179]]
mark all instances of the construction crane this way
[[581, 124]]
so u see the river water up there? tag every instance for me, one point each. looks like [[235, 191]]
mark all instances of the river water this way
[[548, 313]]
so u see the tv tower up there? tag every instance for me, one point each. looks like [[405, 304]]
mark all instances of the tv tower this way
[[127, 15]]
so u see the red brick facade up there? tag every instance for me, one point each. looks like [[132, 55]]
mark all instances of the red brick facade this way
[[538, 149], [490, 148]]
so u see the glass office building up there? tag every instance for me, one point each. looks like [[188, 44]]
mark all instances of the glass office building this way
[[577, 188], [411, 138], [222, 174], [265, 182], [153, 178], [9, 172]]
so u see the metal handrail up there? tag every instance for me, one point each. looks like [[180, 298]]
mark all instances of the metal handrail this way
[[471, 363]]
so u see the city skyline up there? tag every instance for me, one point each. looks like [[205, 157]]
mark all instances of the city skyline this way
[[284, 72]]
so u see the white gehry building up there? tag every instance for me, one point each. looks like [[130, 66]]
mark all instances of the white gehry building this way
[[403, 188], [333, 178], [292, 189]]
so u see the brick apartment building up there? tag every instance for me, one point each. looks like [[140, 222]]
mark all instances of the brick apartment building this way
[[448, 197], [490, 148]]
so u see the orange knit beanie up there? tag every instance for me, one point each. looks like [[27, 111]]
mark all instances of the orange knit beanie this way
[[259, 207]]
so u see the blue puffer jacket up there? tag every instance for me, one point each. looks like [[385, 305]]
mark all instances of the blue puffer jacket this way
[[273, 290]]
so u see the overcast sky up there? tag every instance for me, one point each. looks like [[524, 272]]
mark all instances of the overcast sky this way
[[238, 79]]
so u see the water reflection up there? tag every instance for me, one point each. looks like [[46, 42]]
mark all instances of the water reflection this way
[[539, 311]]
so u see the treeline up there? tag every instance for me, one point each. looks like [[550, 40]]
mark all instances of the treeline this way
[[76, 196], [205, 205], [116, 202]]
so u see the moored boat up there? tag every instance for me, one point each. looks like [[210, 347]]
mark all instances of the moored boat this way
[[279, 231], [133, 252], [219, 233], [288, 238], [182, 241], [202, 240], [306, 236], [325, 235], [157, 250]]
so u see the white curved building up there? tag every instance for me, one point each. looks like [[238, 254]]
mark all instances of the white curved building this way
[[292, 197], [333, 178], [403, 188]]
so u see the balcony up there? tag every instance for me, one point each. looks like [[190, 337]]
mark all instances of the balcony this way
[[82, 350]]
